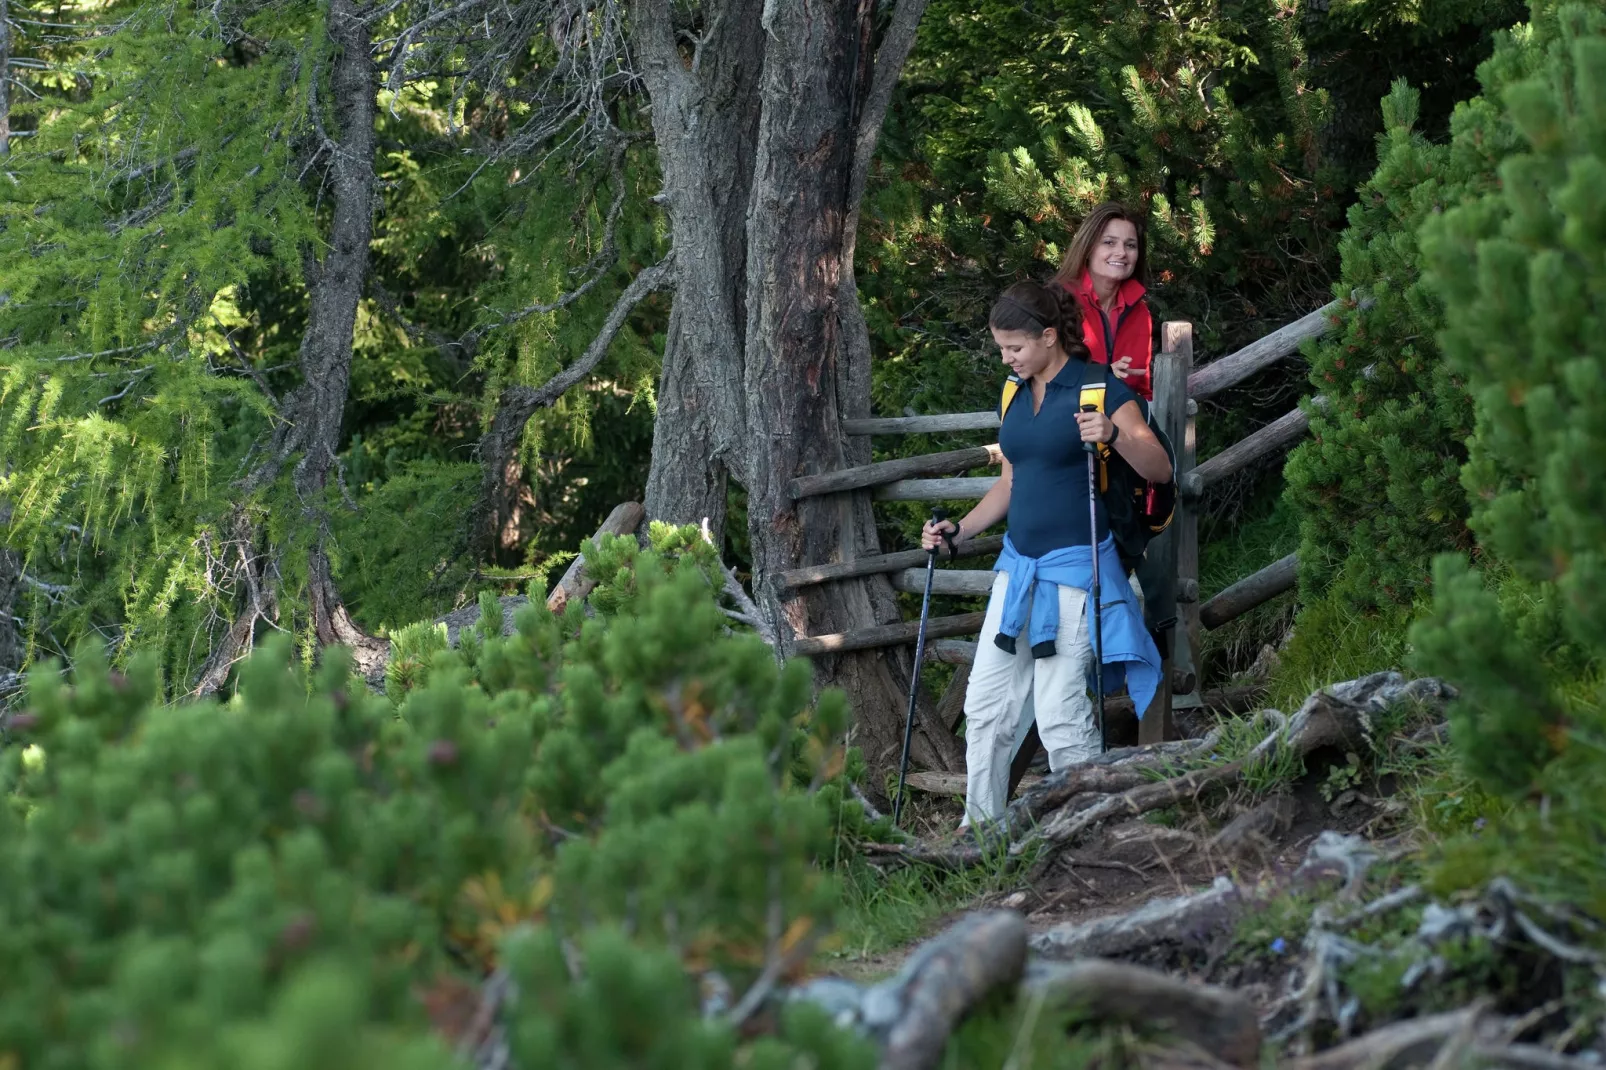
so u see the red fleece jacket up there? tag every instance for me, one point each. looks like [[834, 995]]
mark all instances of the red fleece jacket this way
[[1127, 331]]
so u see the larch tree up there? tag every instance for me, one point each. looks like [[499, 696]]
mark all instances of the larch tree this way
[[173, 452]]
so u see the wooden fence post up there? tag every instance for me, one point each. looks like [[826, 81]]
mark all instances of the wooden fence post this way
[[1170, 377], [1178, 339]]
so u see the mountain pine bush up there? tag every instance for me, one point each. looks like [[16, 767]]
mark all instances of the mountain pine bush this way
[[1377, 483], [1521, 269], [611, 810]]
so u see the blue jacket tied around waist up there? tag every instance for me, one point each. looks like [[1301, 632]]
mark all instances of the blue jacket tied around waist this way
[[1129, 655]]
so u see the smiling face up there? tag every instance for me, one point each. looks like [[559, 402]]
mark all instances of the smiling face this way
[[1115, 254], [1027, 354]]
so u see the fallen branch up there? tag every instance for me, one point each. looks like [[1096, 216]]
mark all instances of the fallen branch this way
[[1187, 921], [912, 1014]]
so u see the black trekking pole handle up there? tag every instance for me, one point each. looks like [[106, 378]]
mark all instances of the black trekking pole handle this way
[[1090, 447], [937, 517]]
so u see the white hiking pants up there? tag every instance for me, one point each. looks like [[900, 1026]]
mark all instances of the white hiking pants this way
[[1000, 686]]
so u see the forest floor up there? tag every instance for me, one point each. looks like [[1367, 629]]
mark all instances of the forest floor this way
[[1265, 888], [1168, 853]]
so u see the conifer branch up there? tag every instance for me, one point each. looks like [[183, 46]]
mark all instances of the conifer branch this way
[[518, 403]]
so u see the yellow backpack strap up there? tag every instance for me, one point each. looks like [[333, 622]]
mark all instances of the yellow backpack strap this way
[[1011, 388], [1093, 390]]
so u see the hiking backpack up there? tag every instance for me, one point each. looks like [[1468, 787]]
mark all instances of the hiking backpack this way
[[1136, 509]]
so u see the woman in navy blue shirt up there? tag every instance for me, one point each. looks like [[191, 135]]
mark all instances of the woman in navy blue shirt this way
[[1048, 548]]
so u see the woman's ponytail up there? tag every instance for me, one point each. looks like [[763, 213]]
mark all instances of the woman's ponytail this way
[[1033, 308]]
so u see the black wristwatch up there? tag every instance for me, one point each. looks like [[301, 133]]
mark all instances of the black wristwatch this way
[[1115, 433]]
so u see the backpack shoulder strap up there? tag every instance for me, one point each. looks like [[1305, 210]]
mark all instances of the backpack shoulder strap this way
[[1011, 388], [1095, 381]]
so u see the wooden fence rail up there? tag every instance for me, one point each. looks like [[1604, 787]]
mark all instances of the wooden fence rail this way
[[868, 566], [945, 581], [886, 635], [907, 425], [1251, 591], [936, 477], [1275, 437], [883, 472], [958, 488]]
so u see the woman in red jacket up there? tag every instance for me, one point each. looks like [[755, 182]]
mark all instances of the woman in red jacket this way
[[1105, 269]]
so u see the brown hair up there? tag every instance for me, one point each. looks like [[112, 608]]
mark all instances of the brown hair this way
[[1088, 234], [1033, 308]]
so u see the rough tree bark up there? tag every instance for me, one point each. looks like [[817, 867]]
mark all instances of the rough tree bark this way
[[335, 286], [312, 415], [706, 104], [768, 348]]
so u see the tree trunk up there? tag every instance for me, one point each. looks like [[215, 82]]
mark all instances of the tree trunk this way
[[765, 131], [317, 408], [705, 120], [313, 414]]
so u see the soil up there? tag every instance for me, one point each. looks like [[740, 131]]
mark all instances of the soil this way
[[1164, 854]]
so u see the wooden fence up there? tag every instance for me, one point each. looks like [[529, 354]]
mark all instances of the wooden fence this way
[[1178, 388]]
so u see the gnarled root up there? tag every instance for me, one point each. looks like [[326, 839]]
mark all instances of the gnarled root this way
[[912, 1014], [1064, 806], [1217, 1020]]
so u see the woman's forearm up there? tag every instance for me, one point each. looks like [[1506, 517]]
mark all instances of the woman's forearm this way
[[1146, 456], [992, 508]]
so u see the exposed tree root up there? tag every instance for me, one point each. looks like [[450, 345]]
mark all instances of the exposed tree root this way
[[1217, 1020], [912, 1014], [1064, 806]]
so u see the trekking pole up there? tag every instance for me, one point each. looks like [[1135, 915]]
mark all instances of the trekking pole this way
[[937, 517], [1098, 608]]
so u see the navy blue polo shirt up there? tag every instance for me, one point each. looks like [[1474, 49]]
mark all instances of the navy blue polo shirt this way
[[1048, 500]]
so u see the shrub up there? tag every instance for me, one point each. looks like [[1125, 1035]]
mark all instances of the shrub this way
[[1520, 266], [611, 809]]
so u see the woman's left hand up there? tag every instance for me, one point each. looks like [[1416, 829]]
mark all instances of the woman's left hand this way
[[1095, 426]]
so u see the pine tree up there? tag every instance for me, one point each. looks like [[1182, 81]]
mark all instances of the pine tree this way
[[604, 810], [1377, 483], [1521, 269]]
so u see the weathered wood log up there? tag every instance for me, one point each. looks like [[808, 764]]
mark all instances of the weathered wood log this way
[[945, 581], [958, 488], [1234, 368], [1171, 411], [867, 566], [1178, 339], [885, 635], [1275, 437], [1186, 921], [575, 584], [1413, 1042], [1251, 591], [1111, 772], [951, 707], [1051, 816], [946, 979], [952, 651], [908, 425], [882, 472], [1218, 1020], [1335, 717]]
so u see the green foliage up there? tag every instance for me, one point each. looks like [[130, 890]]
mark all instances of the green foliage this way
[[311, 874], [1376, 483], [1520, 267], [1336, 639]]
